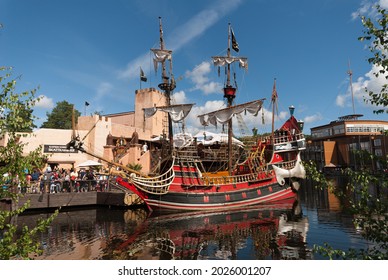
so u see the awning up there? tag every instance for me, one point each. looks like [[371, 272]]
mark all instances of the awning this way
[[89, 163]]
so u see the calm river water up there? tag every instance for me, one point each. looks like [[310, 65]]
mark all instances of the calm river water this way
[[284, 231]]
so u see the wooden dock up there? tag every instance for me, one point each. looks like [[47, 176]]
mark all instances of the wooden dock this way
[[74, 199]]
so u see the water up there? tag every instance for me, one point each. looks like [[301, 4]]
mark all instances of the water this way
[[283, 231]]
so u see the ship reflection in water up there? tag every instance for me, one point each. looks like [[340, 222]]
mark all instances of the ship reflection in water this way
[[261, 232]]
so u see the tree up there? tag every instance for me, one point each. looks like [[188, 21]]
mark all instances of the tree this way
[[369, 208], [376, 31], [25, 113], [13, 165], [61, 116]]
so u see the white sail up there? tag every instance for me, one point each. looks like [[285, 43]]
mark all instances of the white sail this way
[[224, 115], [177, 112], [224, 60], [162, 55]]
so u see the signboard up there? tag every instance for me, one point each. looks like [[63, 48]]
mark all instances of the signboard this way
[[58, 149]]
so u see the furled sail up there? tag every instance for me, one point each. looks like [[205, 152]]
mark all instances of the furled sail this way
[[177, 112], [224, 60], [161, 56], [222, 116]]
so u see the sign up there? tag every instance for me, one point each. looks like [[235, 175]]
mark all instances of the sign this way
[[58, 149]]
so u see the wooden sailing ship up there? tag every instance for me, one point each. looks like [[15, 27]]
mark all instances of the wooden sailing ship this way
[[198, 175]]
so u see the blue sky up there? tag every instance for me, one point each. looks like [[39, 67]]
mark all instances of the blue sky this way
[[92, 51]]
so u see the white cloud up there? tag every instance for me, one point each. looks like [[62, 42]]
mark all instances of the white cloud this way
[[179, 97], [313, 118], [367, 8], [369, 81], [201, 82], [44, 102], [340, 100]]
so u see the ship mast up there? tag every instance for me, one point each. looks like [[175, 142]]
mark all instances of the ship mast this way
[[229, 90], [230, 98], [168, 83], [274, 99]]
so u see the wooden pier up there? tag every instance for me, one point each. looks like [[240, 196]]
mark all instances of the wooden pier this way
[[73, 199]]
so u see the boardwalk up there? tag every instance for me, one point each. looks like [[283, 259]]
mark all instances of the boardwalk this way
[[73, 199]]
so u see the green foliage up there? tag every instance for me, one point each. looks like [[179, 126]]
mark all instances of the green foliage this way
[[376, 31], [61, 116], [19, 242], [15, 108], [15, 242], [365, 197], [135, 166]]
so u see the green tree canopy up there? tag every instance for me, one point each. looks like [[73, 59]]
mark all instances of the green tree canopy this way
[[376, 31], [24, 111], [61, 116]]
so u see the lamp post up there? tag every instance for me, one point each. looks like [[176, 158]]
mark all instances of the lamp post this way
[[301, 125], [292, 109]]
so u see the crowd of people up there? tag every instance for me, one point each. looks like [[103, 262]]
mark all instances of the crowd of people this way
[[64, 180]]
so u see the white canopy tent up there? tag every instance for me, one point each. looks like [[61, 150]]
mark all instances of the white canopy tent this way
[[210, 138], [89, 163]]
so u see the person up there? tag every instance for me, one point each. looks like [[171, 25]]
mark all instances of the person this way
[[66, 181], [28, 183], [83, 180], [91, 179], [73, 178], [35, 175], [144, 148]]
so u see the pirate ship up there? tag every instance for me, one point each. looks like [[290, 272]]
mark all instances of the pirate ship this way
[[198, 174]]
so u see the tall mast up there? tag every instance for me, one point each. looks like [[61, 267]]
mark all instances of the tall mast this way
[[230, 103], [168, 83], [274, 99], [229, 90], [163, 62]]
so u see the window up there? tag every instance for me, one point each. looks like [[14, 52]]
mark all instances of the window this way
[[377, 142]]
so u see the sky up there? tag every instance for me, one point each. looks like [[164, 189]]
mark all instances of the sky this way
[[92, 51]]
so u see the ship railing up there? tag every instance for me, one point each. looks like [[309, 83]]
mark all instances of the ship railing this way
[[232, 179], [287, 164], [154, 185], [287, 137]]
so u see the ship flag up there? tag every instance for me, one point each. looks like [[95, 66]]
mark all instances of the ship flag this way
[[234, 41], [143, 77]]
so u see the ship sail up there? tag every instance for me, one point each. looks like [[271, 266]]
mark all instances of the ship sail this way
[[222, 61], [161, 56], [223, 116], [177, 112]]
